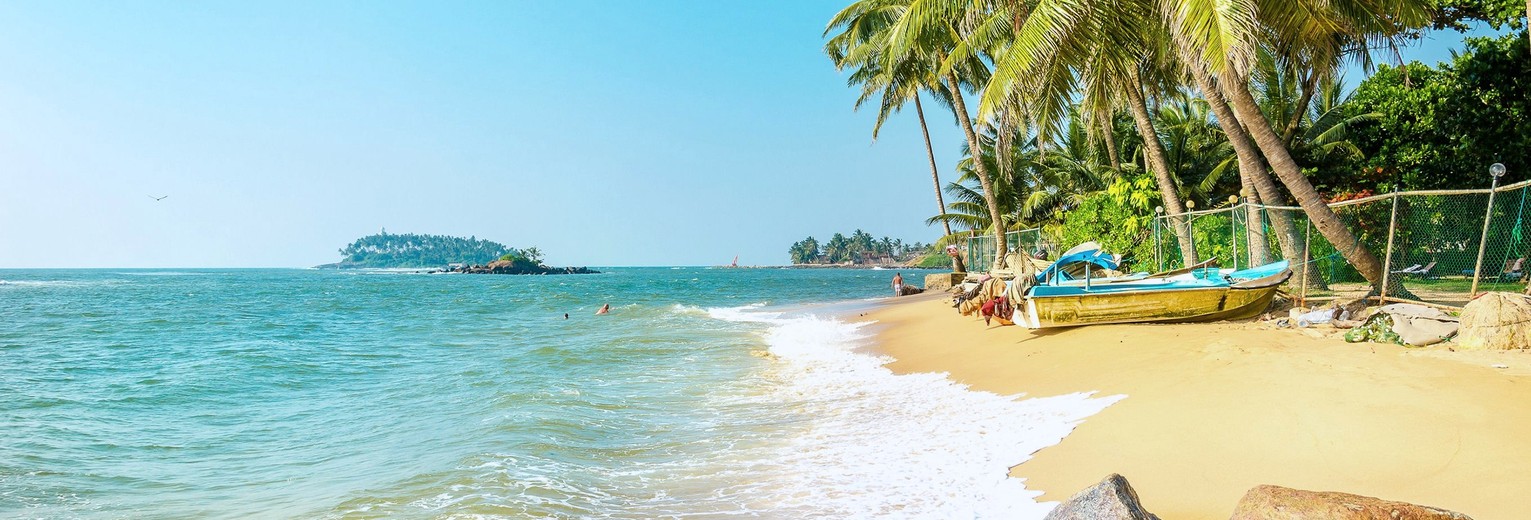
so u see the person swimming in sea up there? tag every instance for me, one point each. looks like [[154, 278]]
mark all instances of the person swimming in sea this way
[[605, 309]]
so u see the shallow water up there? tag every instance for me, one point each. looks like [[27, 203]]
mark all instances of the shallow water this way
[[313, 394]]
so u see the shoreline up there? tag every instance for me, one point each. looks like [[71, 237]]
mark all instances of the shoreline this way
[[1214, 409]]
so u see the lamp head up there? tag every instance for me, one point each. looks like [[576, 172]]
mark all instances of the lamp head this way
[[1496, 169]]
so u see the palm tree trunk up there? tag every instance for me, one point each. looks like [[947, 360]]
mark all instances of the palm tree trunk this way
[[1319, 213], [1110, 138], [1257, 180], [997, 218], [1161, 168], [935, 173], [1309, 85]]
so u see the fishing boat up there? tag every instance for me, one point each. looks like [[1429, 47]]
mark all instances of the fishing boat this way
[[1066, 294]]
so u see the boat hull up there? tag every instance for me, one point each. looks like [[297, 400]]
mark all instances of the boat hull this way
[[1191, 304]]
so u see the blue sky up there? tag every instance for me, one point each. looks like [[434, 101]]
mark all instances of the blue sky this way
[[604, 133]]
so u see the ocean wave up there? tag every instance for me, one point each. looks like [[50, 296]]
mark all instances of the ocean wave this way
[[53, 283], [915, 446]]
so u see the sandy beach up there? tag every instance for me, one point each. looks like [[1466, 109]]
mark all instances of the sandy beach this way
[[1215, 409]]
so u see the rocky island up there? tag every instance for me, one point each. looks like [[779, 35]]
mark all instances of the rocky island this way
[[441, 253], [518, 266]]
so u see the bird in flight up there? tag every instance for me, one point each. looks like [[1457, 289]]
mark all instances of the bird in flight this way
[[158, 198]]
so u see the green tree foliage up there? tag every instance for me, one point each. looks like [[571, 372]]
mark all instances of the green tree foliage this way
[[1119, 218], [1440, 127], [387, 250], [1458, 14], [856, 247]]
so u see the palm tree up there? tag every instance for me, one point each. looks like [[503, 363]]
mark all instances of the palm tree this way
[[1112, 52], [1315, 34], [928, 31], [1257, 183], [859, 45]]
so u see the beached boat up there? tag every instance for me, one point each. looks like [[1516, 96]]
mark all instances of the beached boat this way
[[1065, 294]]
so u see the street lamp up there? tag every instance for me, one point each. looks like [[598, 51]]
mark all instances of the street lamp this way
[[1190, 206], [1496, 170], [1158, 237]]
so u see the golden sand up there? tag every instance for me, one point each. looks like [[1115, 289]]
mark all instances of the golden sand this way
[[1215, 409]]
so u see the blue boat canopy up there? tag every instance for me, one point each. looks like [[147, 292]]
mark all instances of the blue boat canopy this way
[[1056, 272], [1258, 272]]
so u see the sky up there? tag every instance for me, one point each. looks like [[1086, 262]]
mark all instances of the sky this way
[[603, 133]]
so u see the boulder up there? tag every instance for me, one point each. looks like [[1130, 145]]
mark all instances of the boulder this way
[[1496, 321], [1111, 499], [943, 281], [1279, 503]]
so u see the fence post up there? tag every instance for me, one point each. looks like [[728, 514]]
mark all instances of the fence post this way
[[1307, 258], [1387, 261], [1488, 214]]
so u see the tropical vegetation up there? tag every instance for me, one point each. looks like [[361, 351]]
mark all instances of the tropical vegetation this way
[[859, 247], [410, 250], [1087, 119]]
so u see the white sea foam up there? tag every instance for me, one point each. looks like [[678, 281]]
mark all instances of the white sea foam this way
[[900, 446], [53, 283]]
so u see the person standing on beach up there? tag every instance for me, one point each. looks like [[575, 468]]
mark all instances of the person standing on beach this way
[[898, 284]]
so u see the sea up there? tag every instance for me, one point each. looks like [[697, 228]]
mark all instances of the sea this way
[[299, 393]]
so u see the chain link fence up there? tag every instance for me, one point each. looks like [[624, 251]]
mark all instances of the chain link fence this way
[[1437, 247], [1027, 241]]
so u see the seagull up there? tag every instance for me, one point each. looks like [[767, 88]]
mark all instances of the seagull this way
[[158, 198]]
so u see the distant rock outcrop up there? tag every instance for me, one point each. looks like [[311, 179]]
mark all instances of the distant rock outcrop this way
[[1279, 503], [509, 267], [1111, 499]]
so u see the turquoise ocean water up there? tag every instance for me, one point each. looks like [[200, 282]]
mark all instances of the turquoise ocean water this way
[[707, 393]]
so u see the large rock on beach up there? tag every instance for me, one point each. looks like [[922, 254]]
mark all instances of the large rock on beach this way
[[1279, 503], [1111, 499], [1496, 321], [943, 281]]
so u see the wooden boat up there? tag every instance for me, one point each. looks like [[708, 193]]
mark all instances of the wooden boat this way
[[1197, 295]]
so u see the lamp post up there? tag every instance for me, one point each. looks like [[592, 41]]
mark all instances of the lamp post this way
[[1496, 170], [1158, 237], [1190, 230], [1233, 228]]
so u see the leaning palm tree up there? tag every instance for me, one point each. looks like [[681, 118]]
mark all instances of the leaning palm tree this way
[[929, 30], [1317, 33], [860, 46], [908, 33]]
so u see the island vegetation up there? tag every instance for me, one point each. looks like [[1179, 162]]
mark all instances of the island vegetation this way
[[1084, 119], [860, 248], [409, 250], [466, 255]]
